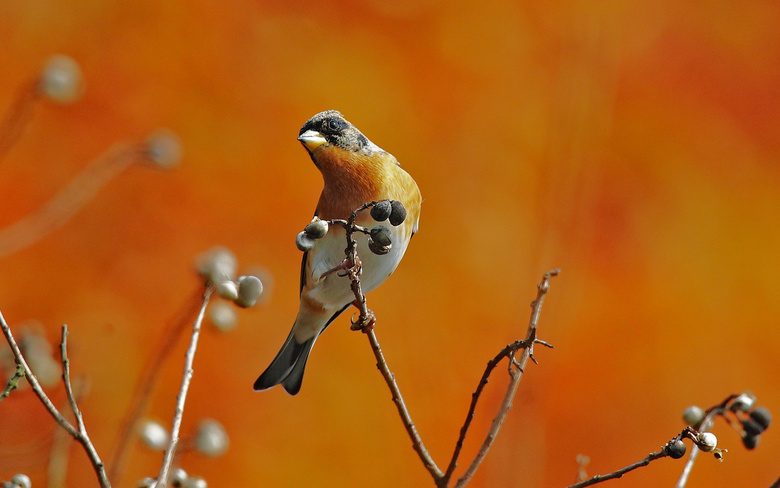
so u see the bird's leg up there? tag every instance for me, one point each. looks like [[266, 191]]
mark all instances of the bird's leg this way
[[344, 265], [366, 320]]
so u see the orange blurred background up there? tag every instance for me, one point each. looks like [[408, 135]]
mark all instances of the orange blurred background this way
[[632, 144]]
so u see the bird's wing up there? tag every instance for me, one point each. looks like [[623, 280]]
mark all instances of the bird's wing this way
[[303, 271]]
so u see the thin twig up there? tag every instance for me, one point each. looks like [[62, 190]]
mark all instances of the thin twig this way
[[365, 323], [97, 464], [516, 375], [146, 382], [620, 472], [417, 442], [162, 478], [66, 379], [60, 449], [69, 200], [13, 383], [18, 115], [483, 381], [688, 467], [687, 433]]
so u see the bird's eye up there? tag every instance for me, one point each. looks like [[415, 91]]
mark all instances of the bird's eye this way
[[334, 125]]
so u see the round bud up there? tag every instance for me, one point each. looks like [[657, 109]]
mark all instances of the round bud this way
[[249, 290], [223, 316], [61, 80], [21, 480], [752, 428], [195, 482], [376, 248], [218, 264], [675, 449], [751, 441], [163, 148], [178, 477], [743, 402], [707, 441], [304, 242], [317, 229], [211, 438], [762, 416], [153, 434], [381, 235], [693, 415], [381, 210], [227, 290], [397, 212]]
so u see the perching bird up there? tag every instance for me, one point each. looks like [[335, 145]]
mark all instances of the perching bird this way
[[355, 171]]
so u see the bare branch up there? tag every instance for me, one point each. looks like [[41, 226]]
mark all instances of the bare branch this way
[[162, 478], [670, 448], [365, 322], [516, 375], [66, 380], [417, 442], [620, 472], [80, 436], [147, 380]]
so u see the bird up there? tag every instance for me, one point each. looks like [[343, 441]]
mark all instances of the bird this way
[[354, 171]]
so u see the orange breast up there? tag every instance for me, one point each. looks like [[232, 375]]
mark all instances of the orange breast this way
[[352, 179]]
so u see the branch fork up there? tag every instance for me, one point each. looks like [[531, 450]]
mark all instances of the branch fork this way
[[366, 322]]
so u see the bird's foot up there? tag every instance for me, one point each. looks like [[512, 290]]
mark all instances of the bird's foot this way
[[365, 322]]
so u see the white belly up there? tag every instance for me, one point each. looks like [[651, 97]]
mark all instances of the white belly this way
[[333, 291]]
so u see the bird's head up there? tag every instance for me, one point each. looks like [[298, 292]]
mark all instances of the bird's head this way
[[329, 130]]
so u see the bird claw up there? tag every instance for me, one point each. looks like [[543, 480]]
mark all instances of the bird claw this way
[[365, 322]]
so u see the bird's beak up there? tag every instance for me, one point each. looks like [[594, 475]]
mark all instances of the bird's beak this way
[[312, 139]]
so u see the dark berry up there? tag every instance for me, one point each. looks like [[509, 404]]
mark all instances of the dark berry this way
[[751, 427], [676, 449], [398, 212], [751, 441], [317, 229], [381, 235], [377, 249], [762, 416], [381, 210]]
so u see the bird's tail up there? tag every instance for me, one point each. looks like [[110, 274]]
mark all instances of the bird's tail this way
[[287, 367]]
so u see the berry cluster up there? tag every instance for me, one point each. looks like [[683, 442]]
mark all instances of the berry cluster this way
[[705, 441], [317, 229], [752, 427], [379, 241], [751, 421], [218, 266]]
